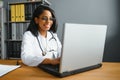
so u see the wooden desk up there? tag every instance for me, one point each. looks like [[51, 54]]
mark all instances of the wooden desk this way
[[109, 71]]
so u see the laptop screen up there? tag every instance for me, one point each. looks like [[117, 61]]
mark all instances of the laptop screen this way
[[83, 46]]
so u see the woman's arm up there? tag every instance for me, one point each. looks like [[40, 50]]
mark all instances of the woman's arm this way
[[30, 55]]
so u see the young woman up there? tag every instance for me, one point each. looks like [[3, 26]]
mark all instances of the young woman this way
[[40, 44]]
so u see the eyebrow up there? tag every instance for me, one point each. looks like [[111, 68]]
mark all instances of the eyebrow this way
[[46, 16]]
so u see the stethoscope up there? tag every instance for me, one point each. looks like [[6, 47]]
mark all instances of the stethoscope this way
[[44, 53]]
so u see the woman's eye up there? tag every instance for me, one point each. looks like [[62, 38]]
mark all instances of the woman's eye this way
[[46, 19]]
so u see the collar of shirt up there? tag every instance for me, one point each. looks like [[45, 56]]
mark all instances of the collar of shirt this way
[[49, 35]]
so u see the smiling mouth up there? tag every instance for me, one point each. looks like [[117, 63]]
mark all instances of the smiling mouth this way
[[47, 26]]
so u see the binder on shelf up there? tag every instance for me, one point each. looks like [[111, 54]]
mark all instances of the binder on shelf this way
[[17, 11], [13, 15], [22, 30], [9, 49], [28, 11], [18, 49], [14, 49], [22, 12], [33, 7], [18, 31], [13, 31]]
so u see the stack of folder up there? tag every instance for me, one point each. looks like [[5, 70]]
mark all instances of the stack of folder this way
[[17, 12]]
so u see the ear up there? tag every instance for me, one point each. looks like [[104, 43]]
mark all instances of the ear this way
[[36, 20]]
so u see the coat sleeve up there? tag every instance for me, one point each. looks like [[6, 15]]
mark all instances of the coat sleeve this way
[[28, 55]]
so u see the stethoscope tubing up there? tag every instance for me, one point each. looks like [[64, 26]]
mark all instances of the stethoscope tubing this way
[[49, 40]]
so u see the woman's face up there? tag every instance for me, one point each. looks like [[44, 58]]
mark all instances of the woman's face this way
[[44, 21]]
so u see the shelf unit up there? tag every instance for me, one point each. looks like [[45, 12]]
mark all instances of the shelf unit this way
[[19, 16], [2, 33], [2, 30]]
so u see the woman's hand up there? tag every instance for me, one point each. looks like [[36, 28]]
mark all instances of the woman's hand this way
[[51, 61], [55, 61]]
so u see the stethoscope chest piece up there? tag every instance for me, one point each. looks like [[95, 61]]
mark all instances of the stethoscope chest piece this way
[[43, 53]]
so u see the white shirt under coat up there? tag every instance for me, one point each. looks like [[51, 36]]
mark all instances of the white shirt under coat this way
[[31, 54]]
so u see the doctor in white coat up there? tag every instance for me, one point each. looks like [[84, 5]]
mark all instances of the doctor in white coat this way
[[40, 44]]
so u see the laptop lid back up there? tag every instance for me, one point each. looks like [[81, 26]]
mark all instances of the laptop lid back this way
[[83, 46]]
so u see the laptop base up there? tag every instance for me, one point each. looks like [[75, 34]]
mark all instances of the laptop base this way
[[56, 72]]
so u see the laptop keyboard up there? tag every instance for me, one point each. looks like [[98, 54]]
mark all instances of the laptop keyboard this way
[[55, 67]]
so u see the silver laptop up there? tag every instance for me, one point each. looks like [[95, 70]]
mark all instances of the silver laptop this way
[[83, 47]]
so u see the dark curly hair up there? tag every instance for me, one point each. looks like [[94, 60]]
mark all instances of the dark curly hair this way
[[33, 27]]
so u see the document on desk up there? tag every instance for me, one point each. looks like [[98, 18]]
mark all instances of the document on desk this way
[[4, 69]]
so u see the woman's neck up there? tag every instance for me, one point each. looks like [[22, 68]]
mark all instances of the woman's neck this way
[[43, 33]]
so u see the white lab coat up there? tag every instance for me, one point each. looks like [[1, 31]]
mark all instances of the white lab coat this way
[[31, 54]]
